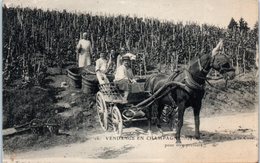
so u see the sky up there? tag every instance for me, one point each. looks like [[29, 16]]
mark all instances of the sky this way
[[215, 12]]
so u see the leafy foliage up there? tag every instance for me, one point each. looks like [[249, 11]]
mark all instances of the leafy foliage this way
[[54, 35], [233, 24]]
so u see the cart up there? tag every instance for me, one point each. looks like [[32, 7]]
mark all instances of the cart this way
[[114, 109]]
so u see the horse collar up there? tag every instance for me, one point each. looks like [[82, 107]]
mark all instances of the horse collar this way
[[191, 83]]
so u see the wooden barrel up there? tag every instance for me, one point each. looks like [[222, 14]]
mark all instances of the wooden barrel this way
[[74, 75], [89, 83]]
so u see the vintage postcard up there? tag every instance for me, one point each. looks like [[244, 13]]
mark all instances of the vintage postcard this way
[[130, 81]]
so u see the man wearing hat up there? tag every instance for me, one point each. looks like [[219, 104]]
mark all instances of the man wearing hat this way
[[124, 75], [124, 71], [84, 51]]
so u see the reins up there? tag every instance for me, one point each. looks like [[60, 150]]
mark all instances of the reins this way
[[189, 77], [193, 84]]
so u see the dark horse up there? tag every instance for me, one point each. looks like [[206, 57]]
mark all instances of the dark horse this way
[[191, 94]]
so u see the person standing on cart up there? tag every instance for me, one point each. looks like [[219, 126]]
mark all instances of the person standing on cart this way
[[101, 68], [84, 51]]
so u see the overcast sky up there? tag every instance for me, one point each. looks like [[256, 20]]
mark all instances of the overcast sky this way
[[217, 12]]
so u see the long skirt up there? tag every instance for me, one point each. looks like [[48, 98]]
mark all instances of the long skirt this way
[[84, 59]]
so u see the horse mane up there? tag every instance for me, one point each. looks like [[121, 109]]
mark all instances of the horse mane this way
[[195, 59], [174, 75]]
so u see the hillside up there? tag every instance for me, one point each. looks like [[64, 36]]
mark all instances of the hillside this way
[[77, 114], [34, 36]]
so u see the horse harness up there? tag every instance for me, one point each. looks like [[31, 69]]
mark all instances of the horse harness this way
[[189, 83]]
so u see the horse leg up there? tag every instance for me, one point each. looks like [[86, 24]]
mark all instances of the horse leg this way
[[196, 112], [149, 117], [158, 123], [173, 112], [172, 118], [181, 109]]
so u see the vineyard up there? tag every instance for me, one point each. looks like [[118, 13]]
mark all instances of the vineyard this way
[[39, 45], [34, 40]]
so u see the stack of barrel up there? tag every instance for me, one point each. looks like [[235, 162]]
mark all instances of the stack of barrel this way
[[83, 78]]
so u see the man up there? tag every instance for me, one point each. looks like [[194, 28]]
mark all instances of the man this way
[[101, 69], [84, 51], [124, 72], [124, 76]]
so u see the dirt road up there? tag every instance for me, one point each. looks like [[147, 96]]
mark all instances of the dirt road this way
[[224, 138]]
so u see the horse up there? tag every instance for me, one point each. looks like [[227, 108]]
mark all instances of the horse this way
[[194, 78]]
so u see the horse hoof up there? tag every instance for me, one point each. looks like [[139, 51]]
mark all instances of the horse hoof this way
[[197, 137], [149, 133], [160, 133], [178, 142]]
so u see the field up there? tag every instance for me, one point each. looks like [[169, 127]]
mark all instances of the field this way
[[35, 39]]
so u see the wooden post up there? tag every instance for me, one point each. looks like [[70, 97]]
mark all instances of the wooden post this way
[[160, 62], [144, 63], [237, 66], [189, 55], [185, 63], [23, 71], [140, 69], [172, 62], [182, 36], [244, 63], [166, 58], [176, 60]]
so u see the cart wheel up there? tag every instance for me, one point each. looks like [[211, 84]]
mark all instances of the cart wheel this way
[[102, 111], [117, 122]]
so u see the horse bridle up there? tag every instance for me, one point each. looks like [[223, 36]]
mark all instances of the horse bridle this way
[[221, 68], [204, 69]]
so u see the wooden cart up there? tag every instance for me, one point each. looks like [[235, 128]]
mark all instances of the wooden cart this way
[[115, 109]]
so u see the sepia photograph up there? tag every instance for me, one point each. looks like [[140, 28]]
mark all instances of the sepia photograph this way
[[130, 81]]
